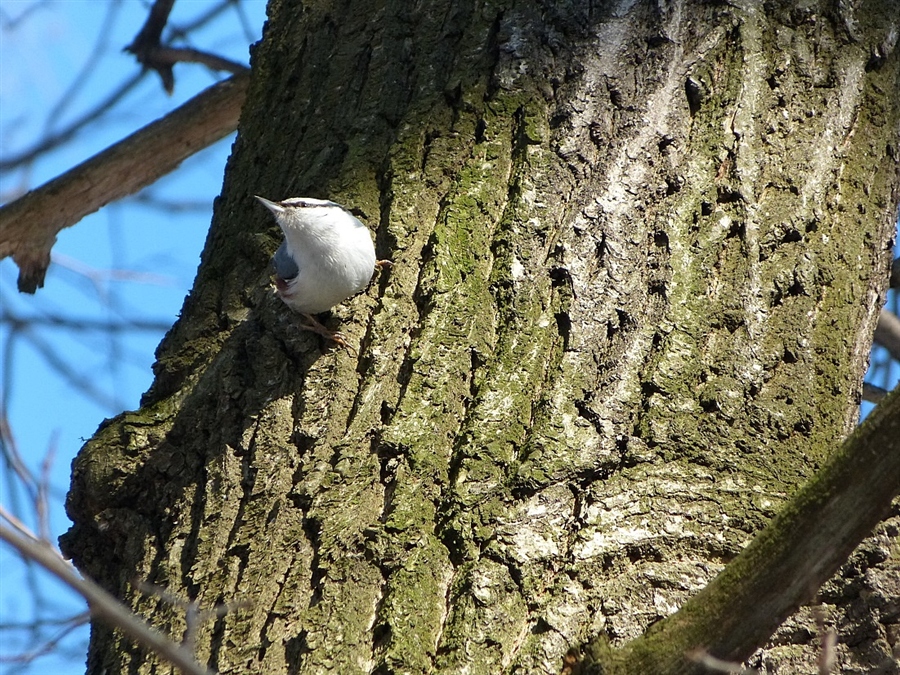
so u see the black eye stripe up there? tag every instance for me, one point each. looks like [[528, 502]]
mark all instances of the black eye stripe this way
[[302, 204]]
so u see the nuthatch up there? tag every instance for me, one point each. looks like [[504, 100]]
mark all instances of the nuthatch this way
[[327, 255]]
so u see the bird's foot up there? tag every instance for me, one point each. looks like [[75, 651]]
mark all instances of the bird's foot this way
[[315, 326], [384, 264]]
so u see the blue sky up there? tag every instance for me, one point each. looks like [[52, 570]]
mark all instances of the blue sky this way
[[131, 260]]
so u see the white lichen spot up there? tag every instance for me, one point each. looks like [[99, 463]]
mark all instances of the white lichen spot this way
[[531, 545], [517, 269], [529, 194], [674, 525], [566, 611], [663, 605], [603, 542], [481, 587]]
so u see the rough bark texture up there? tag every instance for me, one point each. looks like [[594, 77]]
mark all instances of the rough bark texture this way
[[639, 251], [780, 570]]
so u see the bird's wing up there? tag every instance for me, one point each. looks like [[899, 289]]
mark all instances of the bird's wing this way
[[285, 265]]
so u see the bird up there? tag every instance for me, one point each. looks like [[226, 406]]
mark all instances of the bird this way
[[326, 257]]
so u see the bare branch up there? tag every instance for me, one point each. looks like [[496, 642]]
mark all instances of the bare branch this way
[[8, 23], [98, 277], [50, 142], [103, 605], [84, 324], [152, 201], [80, 617], [42, 498], [151, 31], [887, 333], [148, 49], [827, 636], [85, 383], [30, 224], [15, 522], [714, 665], [37, 489], [88, 69], [148, 39], [173, 55], [873, 393], [184, 30], [50, 644]]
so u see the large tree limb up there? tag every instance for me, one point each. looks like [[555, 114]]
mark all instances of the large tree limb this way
[[783, 567], [29, 225]]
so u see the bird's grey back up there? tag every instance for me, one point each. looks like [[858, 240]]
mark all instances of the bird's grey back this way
[[285, 266]]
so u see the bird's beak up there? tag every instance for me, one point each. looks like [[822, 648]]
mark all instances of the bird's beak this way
[[272, 206]]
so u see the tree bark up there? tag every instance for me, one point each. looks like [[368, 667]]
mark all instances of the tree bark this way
[[639, 252]]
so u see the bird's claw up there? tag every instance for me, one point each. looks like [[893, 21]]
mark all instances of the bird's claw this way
[[315, 326]]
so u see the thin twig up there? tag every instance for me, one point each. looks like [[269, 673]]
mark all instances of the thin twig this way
[[183, 31], [42, 498], [103, 605], [148, 49], [50, 142], [194, 616], [716, 665], [827, 656], [16, 523], [88, 68], [84, 324], [51, 643]]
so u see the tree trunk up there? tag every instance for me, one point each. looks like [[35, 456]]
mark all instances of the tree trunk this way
[[639, 251]]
